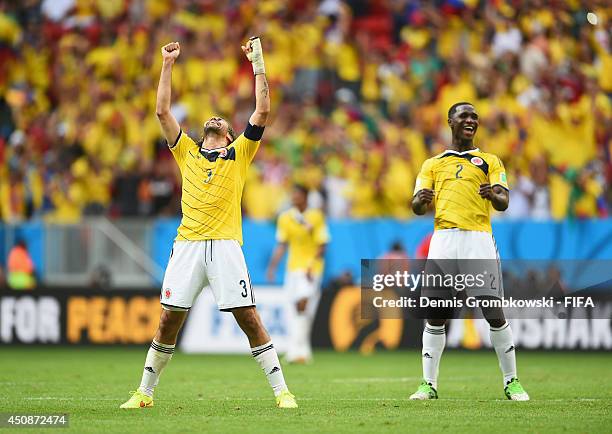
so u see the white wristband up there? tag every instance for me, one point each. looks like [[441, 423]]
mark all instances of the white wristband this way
[[256, 56]]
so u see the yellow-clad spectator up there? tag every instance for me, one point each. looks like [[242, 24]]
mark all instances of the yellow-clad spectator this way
[[12, 197], [397, 174], [348, 87]]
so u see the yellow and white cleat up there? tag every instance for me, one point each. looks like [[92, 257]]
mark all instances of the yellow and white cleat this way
[[286, 400], [138, 400]]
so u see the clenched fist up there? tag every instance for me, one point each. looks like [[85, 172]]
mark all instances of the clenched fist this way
[[426, 195], [254, 53], [486, 191], [171, 51]]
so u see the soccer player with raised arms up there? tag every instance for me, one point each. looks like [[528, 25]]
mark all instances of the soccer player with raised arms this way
[[462, 184], [207, 250]]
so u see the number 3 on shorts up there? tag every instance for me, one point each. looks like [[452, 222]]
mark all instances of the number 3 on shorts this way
[[244, 293]]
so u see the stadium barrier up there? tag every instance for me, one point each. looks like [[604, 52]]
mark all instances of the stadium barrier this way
[[67, 255], [339, 325], [78, 316], [128, 317]]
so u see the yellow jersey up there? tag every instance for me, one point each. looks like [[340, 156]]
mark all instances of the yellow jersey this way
[[304, 233], [455, 178], [212, 184]]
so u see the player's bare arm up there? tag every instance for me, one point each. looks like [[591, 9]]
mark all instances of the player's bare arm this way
[[170, 126], [279, 251], [254, 53], [498, 196], [422, 200]]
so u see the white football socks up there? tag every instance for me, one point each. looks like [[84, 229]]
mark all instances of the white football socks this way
[[268, 360], [434, 339], [503, 342], [299, 339], [157, 358]]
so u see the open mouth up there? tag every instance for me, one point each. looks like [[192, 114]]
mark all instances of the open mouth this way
[[469, 129]]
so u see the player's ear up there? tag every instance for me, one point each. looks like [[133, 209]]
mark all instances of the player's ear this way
[[450, 122], [230, 133]]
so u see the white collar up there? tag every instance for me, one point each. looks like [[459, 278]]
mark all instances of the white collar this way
[[212, 149], [452, 151]]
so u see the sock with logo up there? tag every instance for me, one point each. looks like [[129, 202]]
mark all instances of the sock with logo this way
[[268, 360], [157, 358], [434, 339], [503, 342]]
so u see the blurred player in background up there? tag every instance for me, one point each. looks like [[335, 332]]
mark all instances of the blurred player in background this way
[[304, 232], [462, 183], [207, 250]]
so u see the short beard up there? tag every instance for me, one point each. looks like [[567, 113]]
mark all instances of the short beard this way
[[213, 130]]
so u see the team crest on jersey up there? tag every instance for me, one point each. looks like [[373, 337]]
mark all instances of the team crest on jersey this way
[[167, 293], [477, 161]]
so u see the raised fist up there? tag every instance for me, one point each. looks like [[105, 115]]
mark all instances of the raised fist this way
[[171, 50], [254, 53]]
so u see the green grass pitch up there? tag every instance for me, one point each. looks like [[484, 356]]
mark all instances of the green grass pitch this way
[[339, 393]]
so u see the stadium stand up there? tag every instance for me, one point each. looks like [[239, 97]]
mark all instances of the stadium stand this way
[[360, 93]]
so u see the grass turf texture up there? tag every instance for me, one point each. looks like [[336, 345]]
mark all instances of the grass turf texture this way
[[340, 393]]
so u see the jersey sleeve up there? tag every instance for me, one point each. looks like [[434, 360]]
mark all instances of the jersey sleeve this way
[[282, 233], [180, 147], [425, 178], [248, 142], [321, 232], [497, 174]]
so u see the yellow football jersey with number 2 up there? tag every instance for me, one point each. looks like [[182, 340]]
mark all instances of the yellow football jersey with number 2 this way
[[455, 178], [212, 184]]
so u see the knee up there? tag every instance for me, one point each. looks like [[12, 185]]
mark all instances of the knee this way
[[495, 317], [249, 322], [436, 322], [168, 326], [496, 322], [165, 328]]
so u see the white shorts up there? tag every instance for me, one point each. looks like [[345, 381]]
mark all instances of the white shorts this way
[[298, 286], [460, 244], [216, 263], [468, 252]]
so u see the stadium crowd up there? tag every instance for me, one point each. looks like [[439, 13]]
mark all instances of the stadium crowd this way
[[360, 93]]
